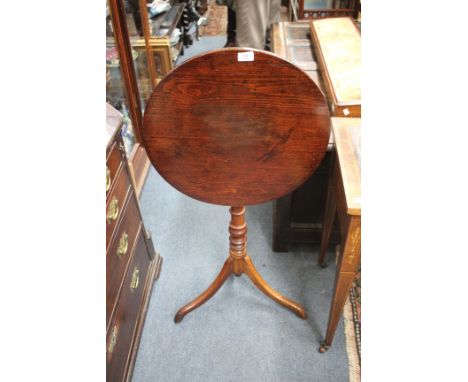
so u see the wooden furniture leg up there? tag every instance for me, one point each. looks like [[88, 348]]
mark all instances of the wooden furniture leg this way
[[237, 263], [261, 284], [226, 271], [330, 212], [348, 262]]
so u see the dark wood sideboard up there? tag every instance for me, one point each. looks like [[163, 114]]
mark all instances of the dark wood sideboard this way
[[298, 216], [132, 265]]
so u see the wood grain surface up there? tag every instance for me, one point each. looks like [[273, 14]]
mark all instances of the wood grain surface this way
[[235, 132], [338, 45]]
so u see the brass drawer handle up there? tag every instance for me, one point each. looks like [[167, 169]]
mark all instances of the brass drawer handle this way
[[113, 339], [113, 212], [123, 245], [135, 279], [108, 179]]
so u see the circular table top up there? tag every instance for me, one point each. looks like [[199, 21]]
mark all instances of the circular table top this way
[[233, 132]]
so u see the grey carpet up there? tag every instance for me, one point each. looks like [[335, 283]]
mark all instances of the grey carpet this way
[[240, 334], [205, 44]]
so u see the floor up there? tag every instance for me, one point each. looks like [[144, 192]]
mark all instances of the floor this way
[[240, 334]]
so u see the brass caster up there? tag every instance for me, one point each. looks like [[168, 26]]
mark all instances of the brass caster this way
[[324, 264], [323, 348]]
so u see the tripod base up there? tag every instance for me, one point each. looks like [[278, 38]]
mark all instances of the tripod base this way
[[237, 263], [244, 265]]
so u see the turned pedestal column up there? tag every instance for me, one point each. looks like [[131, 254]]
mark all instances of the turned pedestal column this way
[[237, 263]]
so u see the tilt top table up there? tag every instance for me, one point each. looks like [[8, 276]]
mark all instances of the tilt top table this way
[[236, 127]]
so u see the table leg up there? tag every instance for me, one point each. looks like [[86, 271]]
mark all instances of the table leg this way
[[348, 262], [226, 271], [330, 212], [261, 284]]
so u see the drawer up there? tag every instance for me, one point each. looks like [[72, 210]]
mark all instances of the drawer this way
[[113, 162], [115, 203], [118, 255], [122, 329]]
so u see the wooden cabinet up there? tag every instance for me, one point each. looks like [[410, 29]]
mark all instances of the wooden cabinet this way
[[298, 216], [132, 265], [128, 85]]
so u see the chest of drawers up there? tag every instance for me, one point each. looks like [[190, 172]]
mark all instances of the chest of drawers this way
[[132, 265]]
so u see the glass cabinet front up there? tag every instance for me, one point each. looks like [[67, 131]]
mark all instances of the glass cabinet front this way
[[115, 89]]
